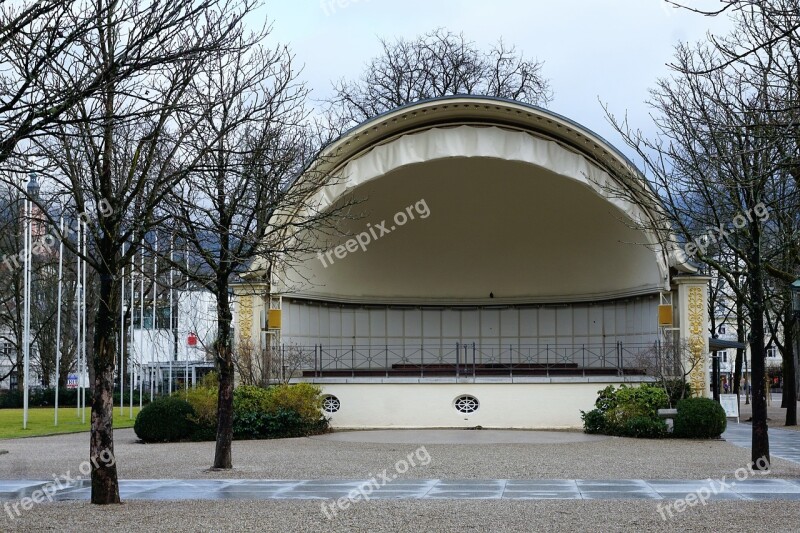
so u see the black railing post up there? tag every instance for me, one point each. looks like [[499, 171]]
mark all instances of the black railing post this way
[[422, 361], [473, 360], [352, 360], [547, 359], [619, 358], [458, 355], [387, 360], [583, 356]]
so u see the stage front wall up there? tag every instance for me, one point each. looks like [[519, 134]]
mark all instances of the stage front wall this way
[[630, 322]]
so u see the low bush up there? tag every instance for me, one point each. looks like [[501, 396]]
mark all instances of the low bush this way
[[203, 399], [699, 418], [258, 413], [303, 398], [165, 420], [628, 412], [644, 427], [594, 421], [278, 412]]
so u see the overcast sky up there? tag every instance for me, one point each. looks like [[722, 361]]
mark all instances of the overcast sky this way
[[609, 50]]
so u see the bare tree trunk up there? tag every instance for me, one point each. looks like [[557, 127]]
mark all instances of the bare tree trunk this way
[[105, 486], [222, 453], [789, 390], [760, 443], [737, 376]]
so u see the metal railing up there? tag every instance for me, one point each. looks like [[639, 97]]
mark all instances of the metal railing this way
[[472, 359]]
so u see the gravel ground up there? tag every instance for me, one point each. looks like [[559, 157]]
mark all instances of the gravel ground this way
[[612, 458], [407, 515], [305, 458]]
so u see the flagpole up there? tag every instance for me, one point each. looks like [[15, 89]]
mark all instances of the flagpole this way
[[78, 291], [171, 317], [58, 312], [153, 336], [130, 355], [185, 287], [141, 324], [83, 325], [121, 370], [26, 320]]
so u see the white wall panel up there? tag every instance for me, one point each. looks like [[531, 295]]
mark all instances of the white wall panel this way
[[631, 321]]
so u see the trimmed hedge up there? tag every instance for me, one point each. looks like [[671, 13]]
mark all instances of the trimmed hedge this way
[[165, 420], [699, 418]]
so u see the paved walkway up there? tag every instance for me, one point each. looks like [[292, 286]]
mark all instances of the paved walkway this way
[[783, 443], [391, 485], [758, 488]]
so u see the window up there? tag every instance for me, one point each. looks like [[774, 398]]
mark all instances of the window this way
[[331, 404], [722, 329], [723, 356], [772, 351], [466, 404]]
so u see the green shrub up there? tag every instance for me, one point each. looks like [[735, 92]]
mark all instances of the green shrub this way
[[594, 421], [646, 399], [303, 398], [644, 427], [628, 412], [164, 420], [699, 418], [278, 412], [203, 400], [606, 399], [251, 398], [284, 423]]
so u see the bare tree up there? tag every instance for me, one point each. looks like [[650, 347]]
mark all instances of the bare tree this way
[[671, 361], [721, 150], [438, 63], [116, 152], [252, 144]]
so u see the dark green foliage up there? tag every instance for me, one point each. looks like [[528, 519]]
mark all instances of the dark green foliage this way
[[594, 421], [644, 427], [165, 420], [281, 411], [628, 412], [699, 418], [285, 423]]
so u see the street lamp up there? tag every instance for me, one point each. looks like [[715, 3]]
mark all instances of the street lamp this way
[[795, 289]]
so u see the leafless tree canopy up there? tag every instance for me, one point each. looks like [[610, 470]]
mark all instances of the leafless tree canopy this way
[[725, 165], [438, 63]]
